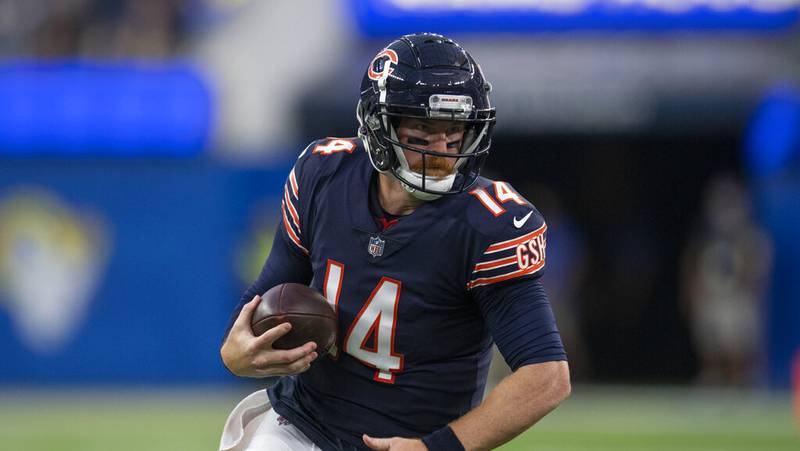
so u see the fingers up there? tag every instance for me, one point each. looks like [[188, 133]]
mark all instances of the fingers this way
[[302, 364], [289, 356], [272, 366], [246, 314], [380, 444], [266, 339]]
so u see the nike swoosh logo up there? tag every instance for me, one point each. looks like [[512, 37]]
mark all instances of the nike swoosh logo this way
[[521, 222]]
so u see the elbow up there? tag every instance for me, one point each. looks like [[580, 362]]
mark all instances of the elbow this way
[[549, 385], [564, 387], [561, 386]]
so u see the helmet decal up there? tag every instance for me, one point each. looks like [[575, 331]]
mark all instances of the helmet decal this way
[[377, 66]]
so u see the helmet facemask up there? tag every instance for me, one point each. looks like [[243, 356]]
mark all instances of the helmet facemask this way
[[378, 130]]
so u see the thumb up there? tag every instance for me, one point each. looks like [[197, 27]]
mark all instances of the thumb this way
[[243, 320], [380, 444]]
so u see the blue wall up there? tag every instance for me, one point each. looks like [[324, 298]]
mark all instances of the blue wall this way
[[165, 237]]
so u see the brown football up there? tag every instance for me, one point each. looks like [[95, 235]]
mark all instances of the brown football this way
[[311, 316]]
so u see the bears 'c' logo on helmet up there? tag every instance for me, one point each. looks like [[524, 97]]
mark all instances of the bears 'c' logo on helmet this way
[[387, 56]]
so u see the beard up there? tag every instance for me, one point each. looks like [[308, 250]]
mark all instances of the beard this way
[[435, 166]]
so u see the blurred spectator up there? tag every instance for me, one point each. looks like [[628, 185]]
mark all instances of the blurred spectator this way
[[59, 30], [90, 28], [134, 28], [724, 274]]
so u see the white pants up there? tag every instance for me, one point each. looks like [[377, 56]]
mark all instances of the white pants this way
[[254, 426]]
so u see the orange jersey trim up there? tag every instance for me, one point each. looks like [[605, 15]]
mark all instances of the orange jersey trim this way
[[494, 264], [289, 231], [508, 244], [490, 280], [293, 183], [291, 208]]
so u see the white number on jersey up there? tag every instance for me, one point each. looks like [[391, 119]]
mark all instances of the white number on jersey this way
[[334, 273], [335, 145], [502, 192], [376, 321]]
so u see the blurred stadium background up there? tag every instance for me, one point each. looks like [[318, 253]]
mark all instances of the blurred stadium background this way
[[143, 145]]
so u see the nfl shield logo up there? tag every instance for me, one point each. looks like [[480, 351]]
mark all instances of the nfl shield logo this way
[[375, 247]]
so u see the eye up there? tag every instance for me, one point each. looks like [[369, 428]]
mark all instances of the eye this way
[[454, 145], [417, 141]]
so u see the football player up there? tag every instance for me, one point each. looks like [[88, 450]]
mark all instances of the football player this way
[[425, 263]]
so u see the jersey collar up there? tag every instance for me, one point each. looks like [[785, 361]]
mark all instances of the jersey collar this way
[[362, 219]]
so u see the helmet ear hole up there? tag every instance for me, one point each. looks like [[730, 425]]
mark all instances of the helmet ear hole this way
[[383, 159]]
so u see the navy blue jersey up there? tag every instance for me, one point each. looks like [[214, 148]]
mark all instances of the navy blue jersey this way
[[418, 303]]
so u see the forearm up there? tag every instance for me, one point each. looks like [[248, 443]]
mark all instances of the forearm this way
[[516, 404], [282, 265]]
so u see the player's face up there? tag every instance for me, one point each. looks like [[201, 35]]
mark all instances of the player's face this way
[[431, 135]]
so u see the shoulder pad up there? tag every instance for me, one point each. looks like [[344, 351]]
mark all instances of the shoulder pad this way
[[318, 162], [512, 231], [323, 157], [331, 146], [495, 207]]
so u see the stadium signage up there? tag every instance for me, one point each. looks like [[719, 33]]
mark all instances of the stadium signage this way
[[392, 17], [576, 6]]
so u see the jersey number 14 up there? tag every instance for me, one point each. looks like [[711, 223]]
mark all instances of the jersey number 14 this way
[[377, 320]]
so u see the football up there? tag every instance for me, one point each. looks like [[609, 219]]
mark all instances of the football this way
[[311, 316]]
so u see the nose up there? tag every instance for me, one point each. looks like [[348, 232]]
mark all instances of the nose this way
[[438, 142]]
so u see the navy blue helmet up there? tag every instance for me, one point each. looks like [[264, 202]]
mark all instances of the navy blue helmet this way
[[425, 76]]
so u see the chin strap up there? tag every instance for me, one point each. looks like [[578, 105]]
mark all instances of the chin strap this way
[[404, 176], [421, 195]]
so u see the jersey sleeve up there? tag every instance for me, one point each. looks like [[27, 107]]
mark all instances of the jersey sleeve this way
[[294, 203], [316, 164], [288, 260], [284, 264], [521, 322], [508, 260], [511, 245]]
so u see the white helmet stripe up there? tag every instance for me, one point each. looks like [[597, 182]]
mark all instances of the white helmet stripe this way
[[387, 69]]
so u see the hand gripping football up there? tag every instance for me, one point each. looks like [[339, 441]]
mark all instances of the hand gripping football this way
[[311, 316]]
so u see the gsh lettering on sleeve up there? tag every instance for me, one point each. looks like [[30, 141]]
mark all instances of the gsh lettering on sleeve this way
[[532, 253]]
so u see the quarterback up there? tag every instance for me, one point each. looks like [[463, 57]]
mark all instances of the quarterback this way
[[426, 264]]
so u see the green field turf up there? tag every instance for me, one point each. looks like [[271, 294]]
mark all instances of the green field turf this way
[[593, 419]]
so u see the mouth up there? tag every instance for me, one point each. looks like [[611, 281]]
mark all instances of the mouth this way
[[435, 167]]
